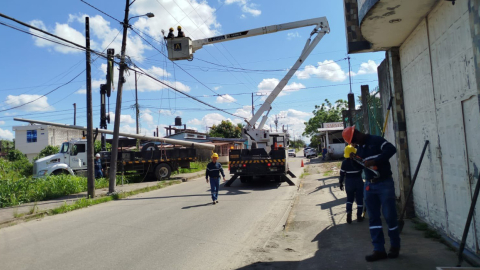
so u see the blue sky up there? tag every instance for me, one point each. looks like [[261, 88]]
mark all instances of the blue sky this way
[[34, 67]]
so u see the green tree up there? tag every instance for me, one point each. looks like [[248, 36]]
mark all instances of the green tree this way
[[299, 143], [47, 151], [16, 155], [98, 146], [226, 129], [325, 113]]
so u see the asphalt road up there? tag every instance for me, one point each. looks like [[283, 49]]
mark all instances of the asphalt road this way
[[172, 228]]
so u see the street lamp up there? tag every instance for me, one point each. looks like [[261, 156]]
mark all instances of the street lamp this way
[[118, 107]]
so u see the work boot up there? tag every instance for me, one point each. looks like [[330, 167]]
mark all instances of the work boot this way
[[214, 202], [359, 218], [349, 218], [394, 252], [376, 255]]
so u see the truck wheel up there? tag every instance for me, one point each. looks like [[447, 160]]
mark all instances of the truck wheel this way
[[162, 171]]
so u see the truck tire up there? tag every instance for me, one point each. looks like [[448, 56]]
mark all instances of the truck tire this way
[[163, 171], [148, 150]]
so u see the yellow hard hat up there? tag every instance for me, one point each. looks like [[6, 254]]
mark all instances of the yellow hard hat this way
[[179, 27], [171, 29], [215, 155], [349, 149]]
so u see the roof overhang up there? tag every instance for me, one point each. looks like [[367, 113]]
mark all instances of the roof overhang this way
[[384, 23], [322, 131]]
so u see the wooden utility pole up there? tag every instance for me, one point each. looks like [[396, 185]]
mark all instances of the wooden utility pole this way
[[118, 105], [74, 114], [351, 108], [90, 149], [137, 111]]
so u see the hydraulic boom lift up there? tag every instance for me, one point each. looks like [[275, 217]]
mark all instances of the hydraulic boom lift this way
[[266, 153]]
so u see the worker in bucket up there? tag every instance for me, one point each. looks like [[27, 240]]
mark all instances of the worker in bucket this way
[[171, 34], [180, 32], [214, 169], [351, 176], [379, 192], [98, 167]]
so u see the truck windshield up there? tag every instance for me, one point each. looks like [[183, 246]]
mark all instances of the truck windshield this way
[[64, 148]]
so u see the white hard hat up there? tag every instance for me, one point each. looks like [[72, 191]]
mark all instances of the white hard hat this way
[[97, 155]]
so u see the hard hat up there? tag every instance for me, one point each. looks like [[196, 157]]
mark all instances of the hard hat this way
[[179, 27], [349, 149], [97, 155], [171, 29], [347, 134], [215, 155]]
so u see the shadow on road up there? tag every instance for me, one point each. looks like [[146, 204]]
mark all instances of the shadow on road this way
[[198, 205]]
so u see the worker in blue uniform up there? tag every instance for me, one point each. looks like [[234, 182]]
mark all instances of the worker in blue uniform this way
[[98, 167], [214, 169], [379, 192], [351, 176]]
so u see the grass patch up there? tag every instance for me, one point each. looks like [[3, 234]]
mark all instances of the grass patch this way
[[194, 167], [328, 173], [427, 231], [304, 174], [84, 202]]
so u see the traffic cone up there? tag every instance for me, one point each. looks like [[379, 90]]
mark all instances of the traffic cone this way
[[302, 163]]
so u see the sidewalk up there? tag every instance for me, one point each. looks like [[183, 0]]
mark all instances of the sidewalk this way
[[7, 214], [317, 236]]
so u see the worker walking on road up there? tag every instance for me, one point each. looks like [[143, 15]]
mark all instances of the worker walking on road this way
[[379, 192], [351, 175], [324, 153], [98, 167], [214, 169]]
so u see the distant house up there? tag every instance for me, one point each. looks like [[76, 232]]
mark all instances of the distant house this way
[[32, 139]]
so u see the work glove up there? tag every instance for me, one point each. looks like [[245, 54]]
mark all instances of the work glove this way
[[341, 187], [206, 179]]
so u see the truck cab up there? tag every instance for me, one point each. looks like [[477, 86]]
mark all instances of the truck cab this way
[[71, 159]]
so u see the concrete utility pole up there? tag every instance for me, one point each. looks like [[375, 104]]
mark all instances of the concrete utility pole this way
[[74, 114], [253, 107], [137, 111], [118, 106], [365, 94], [90, 142]]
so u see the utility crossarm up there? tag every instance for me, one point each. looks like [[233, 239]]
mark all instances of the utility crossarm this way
[[182, 48]]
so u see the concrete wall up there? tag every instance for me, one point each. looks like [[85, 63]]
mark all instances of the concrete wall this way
[[439, 82]]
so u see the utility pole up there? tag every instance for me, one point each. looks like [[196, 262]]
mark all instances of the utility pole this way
[[253, 107], [118, 105], [74, 114], [90, 149], [137, 110], [105, 91]]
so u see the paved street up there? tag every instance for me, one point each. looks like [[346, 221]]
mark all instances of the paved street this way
[[172, 228]]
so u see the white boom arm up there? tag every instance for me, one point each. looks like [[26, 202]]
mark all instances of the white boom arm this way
[[199, 43]]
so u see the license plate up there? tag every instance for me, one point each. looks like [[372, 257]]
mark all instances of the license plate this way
[[273, 169], [239, 170]]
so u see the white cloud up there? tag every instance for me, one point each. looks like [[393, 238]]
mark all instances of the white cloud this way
[[266, 86], [6, 134], [81, 92], [293, 35], [147, 117], [291, 119], [61, 30], [39, 105], [200, 18], [2, 122], [124, 118], [146, 84], [370, 67], [326, 70], [225, 99], [208, 120], [216, 88], [246, 6]]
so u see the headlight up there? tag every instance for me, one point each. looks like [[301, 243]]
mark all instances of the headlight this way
[[42, 173]]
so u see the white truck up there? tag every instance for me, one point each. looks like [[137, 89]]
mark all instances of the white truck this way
[[71, 159]]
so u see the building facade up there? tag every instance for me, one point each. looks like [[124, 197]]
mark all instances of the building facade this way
[[431, 72], [32, 139]]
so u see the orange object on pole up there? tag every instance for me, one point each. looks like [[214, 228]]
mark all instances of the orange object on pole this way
[[302, 163]]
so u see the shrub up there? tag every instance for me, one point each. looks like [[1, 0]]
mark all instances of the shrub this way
[[15, 155], [47, 151]]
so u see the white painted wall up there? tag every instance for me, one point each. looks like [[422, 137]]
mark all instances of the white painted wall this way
[[46, 135], [439, 81]]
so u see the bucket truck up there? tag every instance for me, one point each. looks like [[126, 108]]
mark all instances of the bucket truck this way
[[266, 154]]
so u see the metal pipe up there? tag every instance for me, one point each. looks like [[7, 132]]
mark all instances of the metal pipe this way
[[136, 136]]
